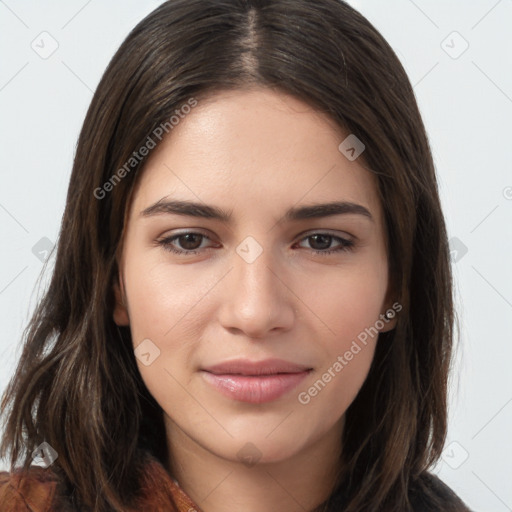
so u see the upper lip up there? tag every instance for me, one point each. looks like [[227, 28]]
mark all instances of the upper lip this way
[[264, 367]]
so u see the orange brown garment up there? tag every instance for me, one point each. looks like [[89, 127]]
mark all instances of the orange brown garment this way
[[37, 491]]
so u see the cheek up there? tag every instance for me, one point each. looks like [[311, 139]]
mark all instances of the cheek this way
[[347, 358], [347, 301], [331, 390], [162, 298], [348, 305], [165, 308]]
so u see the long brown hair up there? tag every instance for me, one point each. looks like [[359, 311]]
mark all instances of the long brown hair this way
[[77, 385]]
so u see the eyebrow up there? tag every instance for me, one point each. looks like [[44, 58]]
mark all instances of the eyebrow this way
[[314, 211]]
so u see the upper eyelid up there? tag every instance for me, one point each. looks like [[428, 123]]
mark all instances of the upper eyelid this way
[[329, 232], [313, 231]]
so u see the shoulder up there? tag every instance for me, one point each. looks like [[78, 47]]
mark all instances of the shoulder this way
[[32, 490], [430, 494]]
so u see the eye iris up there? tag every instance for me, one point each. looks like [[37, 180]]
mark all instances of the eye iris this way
[[189, 240], [326, 239]]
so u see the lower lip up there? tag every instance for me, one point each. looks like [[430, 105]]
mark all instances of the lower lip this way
[[254, 389]]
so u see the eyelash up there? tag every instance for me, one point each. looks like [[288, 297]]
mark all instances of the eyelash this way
[[346, 245]]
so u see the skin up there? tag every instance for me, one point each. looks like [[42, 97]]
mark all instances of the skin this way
[[254, 153]]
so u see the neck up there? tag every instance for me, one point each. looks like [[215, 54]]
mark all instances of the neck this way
[[216, 484]]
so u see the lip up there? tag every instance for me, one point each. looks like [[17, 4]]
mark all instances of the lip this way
[[255, 381], [256, 368]]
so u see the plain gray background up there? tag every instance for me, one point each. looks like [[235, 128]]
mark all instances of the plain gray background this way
[[458, 57]]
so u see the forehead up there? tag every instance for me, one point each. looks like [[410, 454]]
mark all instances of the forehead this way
[[255, 150]]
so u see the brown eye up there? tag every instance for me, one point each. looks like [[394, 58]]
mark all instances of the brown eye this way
[[320, 243], [189, 241], [183, 243]]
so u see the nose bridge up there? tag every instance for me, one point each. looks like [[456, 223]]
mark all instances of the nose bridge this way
[[254, 270], [256, 300]]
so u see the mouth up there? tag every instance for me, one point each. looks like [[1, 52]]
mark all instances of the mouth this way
[[256, 368], [255, 382]]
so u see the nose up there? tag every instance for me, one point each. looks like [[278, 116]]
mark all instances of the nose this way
[[256, 299]]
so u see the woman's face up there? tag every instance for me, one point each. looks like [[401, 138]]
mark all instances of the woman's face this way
[[260, 283]]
